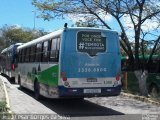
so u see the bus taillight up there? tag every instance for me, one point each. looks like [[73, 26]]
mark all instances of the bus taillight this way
[[64, 78], [13, 67], [118, 77], [63, 74]]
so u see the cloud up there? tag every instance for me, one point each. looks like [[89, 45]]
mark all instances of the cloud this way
[[104, 16], [86, 17], [148, 25], [16, 26], [78, 17]]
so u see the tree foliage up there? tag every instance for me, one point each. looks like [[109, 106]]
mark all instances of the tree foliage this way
[[15, 34], [132, 16], [1, 43]]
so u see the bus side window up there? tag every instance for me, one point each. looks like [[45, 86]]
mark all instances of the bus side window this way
[[49, 49], [38, 52], [23, 54], [32, 53], [58, 48], [27, 54], [53, 53], [19, 56], [45, 52]]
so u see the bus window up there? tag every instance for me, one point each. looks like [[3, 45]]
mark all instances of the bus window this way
[[45, 52], [38, 52], [32, 53], [23, 54], [53, 57], [19, 56], [27, 54], [58, 48]]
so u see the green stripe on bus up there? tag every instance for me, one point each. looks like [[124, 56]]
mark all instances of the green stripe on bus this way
[[49, 76]]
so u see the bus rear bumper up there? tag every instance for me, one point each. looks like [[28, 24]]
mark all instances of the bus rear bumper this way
[[81, 92]]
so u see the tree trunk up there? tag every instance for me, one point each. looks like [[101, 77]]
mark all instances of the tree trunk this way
[[142, 77]]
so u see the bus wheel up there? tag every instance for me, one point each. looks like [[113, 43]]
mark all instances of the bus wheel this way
[[19, 82], [37, 90], [154, 91], [12, 80]]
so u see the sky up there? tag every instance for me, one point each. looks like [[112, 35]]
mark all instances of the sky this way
[[20, 12]]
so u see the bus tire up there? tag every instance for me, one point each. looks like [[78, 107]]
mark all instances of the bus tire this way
[[154, 92], [19, 82], [12, 80], [37, 90]]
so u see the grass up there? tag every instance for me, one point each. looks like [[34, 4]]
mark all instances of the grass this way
[[2, 99], [132, 84], [3, 108]]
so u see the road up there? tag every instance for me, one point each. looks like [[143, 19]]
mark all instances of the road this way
[[104, 108]]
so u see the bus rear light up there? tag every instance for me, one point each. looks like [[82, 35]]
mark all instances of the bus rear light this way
[[118, 77], [13, 67], [63, 74], [64, 78]]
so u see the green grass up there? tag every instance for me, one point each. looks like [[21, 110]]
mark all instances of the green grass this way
[[4, 115], [2, 99], [133, 86], [132, 83], [3, 109], [2, 106]]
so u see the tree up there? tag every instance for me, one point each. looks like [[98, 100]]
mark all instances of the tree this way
[[1, 43], [15, 34], [86, 24], [138, 21]]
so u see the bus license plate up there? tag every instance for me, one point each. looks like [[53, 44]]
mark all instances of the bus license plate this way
[[92, 91]]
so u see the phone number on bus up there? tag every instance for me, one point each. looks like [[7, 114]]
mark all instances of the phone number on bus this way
[[86, 69]]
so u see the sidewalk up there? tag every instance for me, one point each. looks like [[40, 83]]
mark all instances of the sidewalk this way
[[4, 100], [2, 97], [141, 98]]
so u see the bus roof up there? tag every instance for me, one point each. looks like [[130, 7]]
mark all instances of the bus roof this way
[[10, 47], [41, 39], [91, 28], [57, 33]]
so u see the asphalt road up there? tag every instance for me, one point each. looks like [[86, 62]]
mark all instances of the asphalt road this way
[[22, 102]]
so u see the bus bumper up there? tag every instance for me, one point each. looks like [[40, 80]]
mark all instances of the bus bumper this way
[[79, 92]]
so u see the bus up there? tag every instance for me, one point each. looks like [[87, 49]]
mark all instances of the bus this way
[[8, 61], [71, 63]]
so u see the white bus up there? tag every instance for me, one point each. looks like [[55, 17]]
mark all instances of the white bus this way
[[8, 61], [71, 63]]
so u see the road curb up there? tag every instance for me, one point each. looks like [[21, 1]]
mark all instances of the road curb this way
[[141, 98], [6, 97]]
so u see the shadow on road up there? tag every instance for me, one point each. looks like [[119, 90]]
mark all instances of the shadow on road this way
[[77, 108], [74, 107]]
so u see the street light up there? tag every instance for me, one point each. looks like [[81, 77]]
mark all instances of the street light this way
[[34, 19]]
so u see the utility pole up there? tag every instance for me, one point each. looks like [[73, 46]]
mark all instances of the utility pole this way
[[34, 20]]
